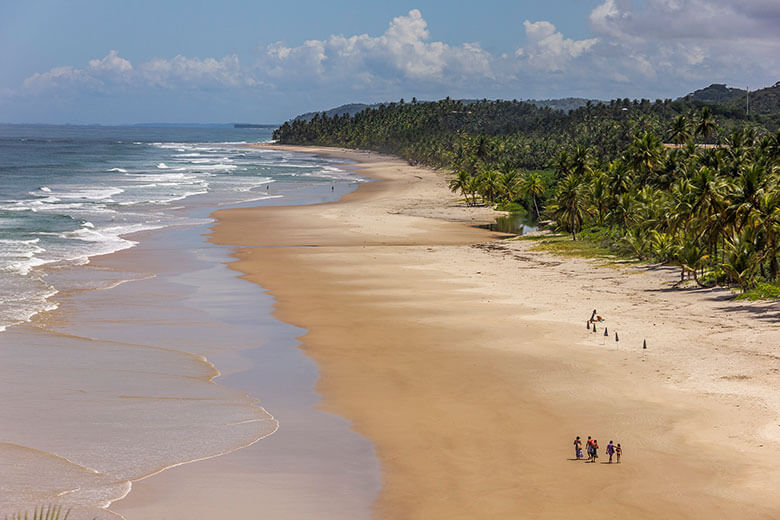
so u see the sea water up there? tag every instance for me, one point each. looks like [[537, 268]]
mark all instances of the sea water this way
[[122, 384], [68, 193]]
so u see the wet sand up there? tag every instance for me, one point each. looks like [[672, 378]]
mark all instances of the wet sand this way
[[467, 364], [164, 364]]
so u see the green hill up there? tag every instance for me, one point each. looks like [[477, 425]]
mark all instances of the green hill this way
[[350, 108], [765, 101], [716, 93]]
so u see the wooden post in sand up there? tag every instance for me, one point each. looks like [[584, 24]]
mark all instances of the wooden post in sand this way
[[644, 344]]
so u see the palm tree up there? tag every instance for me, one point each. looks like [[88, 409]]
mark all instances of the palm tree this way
[[664, 246], [623, 213], [562, 165], [705, 123], [580, 163], [637, 242], [474, 187], [569, 205], [532, 184], [681, 132], [691, 257], [644, 156], [740, 264], [490, 186], [599, 197], [460, 182], [509, 184]]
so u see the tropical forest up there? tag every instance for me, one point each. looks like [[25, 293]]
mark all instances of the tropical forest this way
[[692, 182]]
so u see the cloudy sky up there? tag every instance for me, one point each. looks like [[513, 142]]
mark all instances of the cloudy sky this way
[[104, 61]]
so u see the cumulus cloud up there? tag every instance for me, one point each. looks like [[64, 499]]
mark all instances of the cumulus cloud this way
[[201, 73], [635, 48], [548, 49], [111, 63], [704, 40], [113, 70], [402, 52]]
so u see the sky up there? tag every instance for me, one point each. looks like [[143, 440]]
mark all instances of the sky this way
[[118, 62]]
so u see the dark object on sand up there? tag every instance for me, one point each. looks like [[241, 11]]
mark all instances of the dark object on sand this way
[[594, 327], [587, 324], [593, 315], [644, 343], [605, 332], [616, 337]]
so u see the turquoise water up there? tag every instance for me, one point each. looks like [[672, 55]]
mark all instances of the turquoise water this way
[[68, 193]]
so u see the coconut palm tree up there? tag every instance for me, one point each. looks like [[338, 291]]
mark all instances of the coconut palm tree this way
[[460, 182], [533, 185], [740, 264], [637, 242], [569, 205], [705, 123], [490, 185], [644, 156], [681, 131]]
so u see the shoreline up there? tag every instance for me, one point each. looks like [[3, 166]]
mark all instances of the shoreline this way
[[437, 343], [158, 345]]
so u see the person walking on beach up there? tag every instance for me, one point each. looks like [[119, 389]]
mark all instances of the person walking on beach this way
[[610, 451], [618, 452], [577, 448], [589, 447], [595, 450]]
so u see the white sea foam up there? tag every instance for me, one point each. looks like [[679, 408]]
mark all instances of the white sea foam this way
[[120, 170], [162, 166]]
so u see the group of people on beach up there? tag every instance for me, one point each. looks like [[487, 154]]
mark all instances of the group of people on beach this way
[[592, 448]]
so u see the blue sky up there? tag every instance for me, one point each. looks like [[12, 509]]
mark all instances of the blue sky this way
[[88, 61]]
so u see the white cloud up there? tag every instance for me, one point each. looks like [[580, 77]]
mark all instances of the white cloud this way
[[194, 72], [696, 40], [402, 52], [656, 47], [113, 70], [111, 63], [547, 48]]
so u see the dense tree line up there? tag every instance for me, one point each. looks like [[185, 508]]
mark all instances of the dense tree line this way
[[683, 183], [458, 135]]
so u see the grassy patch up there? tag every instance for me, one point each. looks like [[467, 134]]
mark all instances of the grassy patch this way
[[762, 291], [583, 247]]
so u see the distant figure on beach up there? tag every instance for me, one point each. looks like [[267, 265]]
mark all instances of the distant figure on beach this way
[[610, 451], [266, 186], [578, 448], [595, 317], [595, 450], [331, 187], [589, 448], [618, 452]]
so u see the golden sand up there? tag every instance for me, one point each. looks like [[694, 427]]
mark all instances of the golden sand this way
[[466, 362]]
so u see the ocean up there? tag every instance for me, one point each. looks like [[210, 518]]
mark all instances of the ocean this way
[[68, 193], [114, 367]]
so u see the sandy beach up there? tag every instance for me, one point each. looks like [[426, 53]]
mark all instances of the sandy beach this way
[[465, 360]]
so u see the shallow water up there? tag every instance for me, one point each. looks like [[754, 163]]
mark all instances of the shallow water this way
[[116, 381], [513, 223]]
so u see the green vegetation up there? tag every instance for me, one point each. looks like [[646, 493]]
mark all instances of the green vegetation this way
[[562, 245], [762, 291], [42, 513], [707, 202]]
